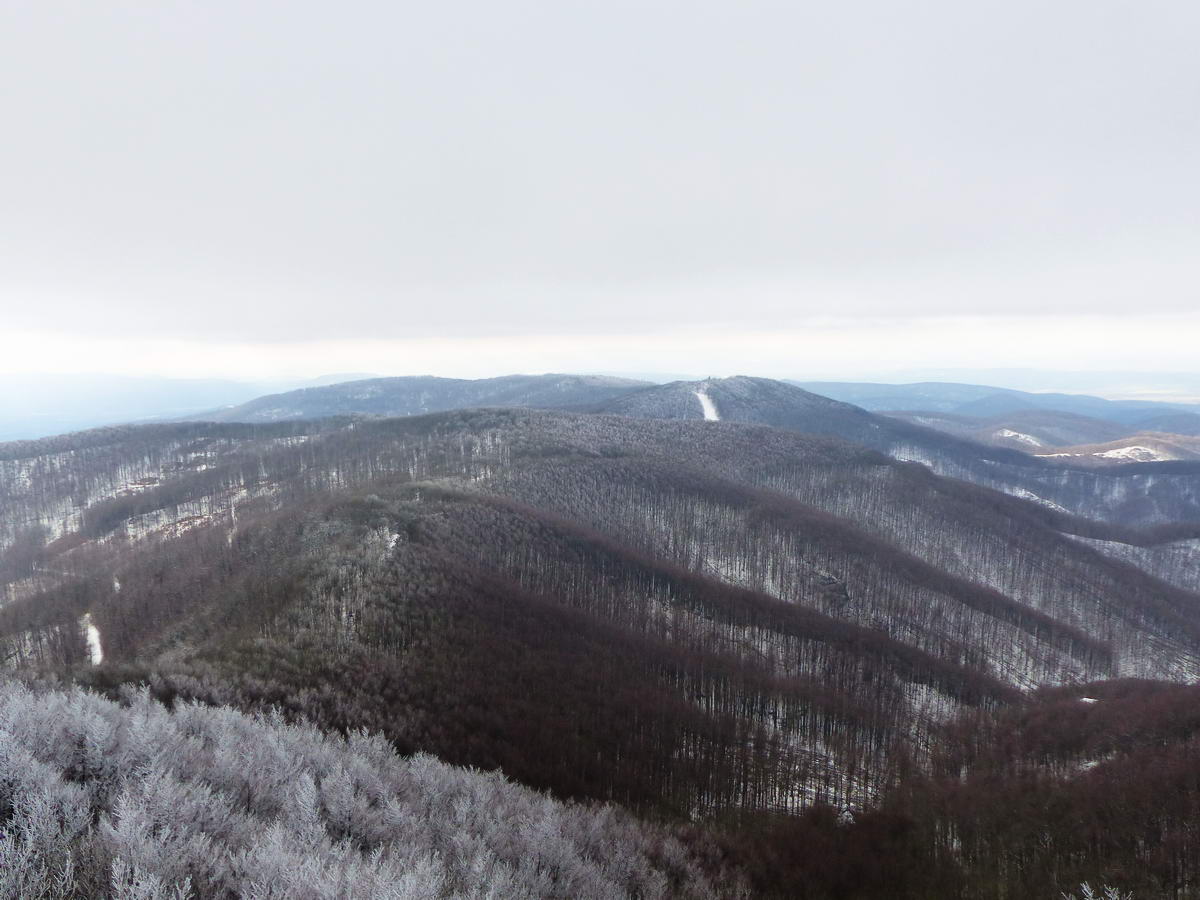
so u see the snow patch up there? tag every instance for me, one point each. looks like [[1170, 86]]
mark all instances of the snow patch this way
[[1024, 494], [95, 651], [710, 409], [909, 453], [1019, 436], [1136, 454], [1088, 700]]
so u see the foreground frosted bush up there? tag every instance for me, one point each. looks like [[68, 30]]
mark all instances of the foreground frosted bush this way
[[135, 801], [1107, 893]]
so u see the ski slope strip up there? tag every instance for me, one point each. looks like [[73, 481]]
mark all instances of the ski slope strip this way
[[710, 408]]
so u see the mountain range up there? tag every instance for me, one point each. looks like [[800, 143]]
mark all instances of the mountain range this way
[[33, 406], [832, 649], [983, 401], [416, 395]]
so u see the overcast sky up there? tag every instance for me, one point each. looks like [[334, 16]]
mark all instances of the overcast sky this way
[[796, 189]]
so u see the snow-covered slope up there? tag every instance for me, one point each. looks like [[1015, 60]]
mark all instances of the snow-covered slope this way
[[1139, 448]]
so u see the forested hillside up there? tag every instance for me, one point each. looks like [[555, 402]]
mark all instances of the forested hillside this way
[[979, 400], [1137, 495], [733, 625], [996, 453]]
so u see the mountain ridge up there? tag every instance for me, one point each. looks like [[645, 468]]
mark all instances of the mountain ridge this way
[[712, 622], [419, 394]]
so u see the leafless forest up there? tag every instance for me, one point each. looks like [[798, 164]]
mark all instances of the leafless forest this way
[[825, 671]]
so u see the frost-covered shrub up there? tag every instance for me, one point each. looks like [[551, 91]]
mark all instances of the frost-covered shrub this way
[[138, 802], [1087, 892]]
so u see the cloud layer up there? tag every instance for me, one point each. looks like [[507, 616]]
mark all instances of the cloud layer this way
[[225, 174]]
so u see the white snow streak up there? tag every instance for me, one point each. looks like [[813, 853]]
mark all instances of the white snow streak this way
[[95, 652], [710, 409], [1030, 495]]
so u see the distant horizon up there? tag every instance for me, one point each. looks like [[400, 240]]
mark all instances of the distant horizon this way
[[1031, 380], [1157, 349], [1172, 385], [34, 406]]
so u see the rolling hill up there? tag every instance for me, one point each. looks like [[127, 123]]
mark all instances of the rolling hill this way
[[416, 395], [983, 401], [1026, 430], [1133, 495], [1140, 447], [1139, 497]]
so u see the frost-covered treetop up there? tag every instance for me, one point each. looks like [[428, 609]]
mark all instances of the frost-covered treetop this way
[[132, 800]]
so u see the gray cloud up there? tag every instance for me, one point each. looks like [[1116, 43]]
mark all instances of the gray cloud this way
[[291, 171]]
